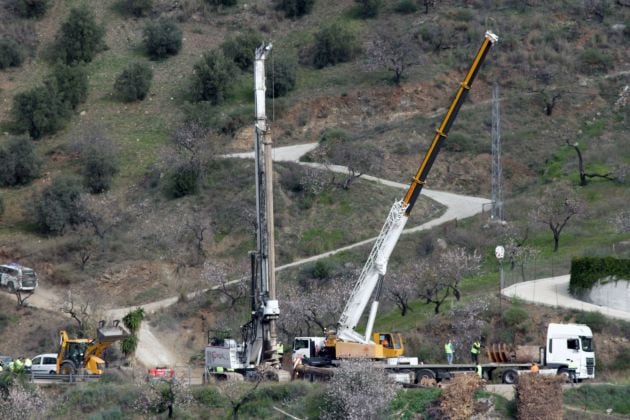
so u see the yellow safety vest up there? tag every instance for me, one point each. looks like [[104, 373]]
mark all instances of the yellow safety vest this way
[[475, 347], [448, 348]]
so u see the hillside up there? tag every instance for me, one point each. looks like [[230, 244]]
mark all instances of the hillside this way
[[563, 69]]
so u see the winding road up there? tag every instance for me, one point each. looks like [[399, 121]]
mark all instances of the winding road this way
[[550, 291]]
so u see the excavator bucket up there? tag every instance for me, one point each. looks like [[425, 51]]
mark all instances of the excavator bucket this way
[[110, 333]]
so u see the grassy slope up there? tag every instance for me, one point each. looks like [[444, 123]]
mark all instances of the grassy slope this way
[[532, 142]]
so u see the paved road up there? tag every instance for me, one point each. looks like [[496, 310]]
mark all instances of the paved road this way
[[554, 291]]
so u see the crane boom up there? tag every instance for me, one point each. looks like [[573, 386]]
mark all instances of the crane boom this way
[[371, 277]]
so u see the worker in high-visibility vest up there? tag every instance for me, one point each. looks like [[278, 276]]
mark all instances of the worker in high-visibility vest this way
[[11, 366], [18, 366], [28, 364], [448, 349], [474, 352]]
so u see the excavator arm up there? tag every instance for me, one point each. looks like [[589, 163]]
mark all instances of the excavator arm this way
[[371, 277]]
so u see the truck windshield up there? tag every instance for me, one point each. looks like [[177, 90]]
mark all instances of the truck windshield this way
[[587, 343], [300, 344]]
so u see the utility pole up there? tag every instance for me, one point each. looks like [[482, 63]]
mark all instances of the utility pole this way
[[497, 171]]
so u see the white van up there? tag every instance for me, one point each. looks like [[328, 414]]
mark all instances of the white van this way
[[45, 364], [17, 277]]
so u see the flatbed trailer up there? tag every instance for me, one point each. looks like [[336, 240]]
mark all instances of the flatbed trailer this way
[[508, 372]]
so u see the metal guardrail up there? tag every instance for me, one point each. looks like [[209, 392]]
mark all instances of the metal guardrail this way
[[48, 378]]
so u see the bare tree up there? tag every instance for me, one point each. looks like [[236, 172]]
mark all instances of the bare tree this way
[[102, 214], [583, 174], [216, 276], [163, 396], [556, 206], [21, 296], [550, 100], [427, 4], [240, 393], [431, 288], [621, 221], [196, 233], [392, 50], [83, 311], [312, 309], [455, 264], [359, 389], [358, 158], [401, 288]]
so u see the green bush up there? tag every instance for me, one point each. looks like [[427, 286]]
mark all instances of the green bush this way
[[208, 396], [595, 320], [514, 316], [409, 403], [296, 8], [137, 8], [369, 8], [599, 398], [321, 270], [80, 37], [98, 172], [281, 75], [183, 181], [241, 49], [29, 8], [162, 38], [10, 55], [133, 320], [57, 206], [129, 344], [20, 164], [133, 83], [39, 111], [594, 61], [212, 78], [406, 7], [586, 271], [72, 84], [334, 43]]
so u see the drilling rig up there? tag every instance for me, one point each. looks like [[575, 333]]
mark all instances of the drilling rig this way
[[257, 352]]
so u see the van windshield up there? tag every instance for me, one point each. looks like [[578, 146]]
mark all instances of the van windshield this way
[[300, 344], [587, 343]]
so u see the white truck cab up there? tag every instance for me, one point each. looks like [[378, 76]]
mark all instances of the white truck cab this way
[[307, 347], [567, 342]]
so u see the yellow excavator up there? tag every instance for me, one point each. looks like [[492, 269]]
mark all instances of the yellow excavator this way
[[83, 354]]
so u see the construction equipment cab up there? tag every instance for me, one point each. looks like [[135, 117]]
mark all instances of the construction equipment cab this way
[[83, 354]]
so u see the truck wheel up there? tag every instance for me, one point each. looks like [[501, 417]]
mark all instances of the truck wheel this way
[[565, 373], [510, 377], [424, 373], [67, 368]]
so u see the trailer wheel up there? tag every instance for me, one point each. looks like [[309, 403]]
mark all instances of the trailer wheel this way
[[510, 377], [424, 374]]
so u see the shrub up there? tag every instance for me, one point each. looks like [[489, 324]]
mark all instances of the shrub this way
[[71, 83], [133, 319], [133, 83], [57, 206], [296, 8], [596, 320], [586, 271], [368, 8], [80, 38], [241, 49], [129, 344], [137, 8], [183, 181], [212, 78], [20, 164], [29, 8], [406, 7], [334, 44], [1, 207], [10, 55], [98, 160], [39, 111], [514, 316], [162, 38], [321, 270], [282, 76], [594, 61]]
